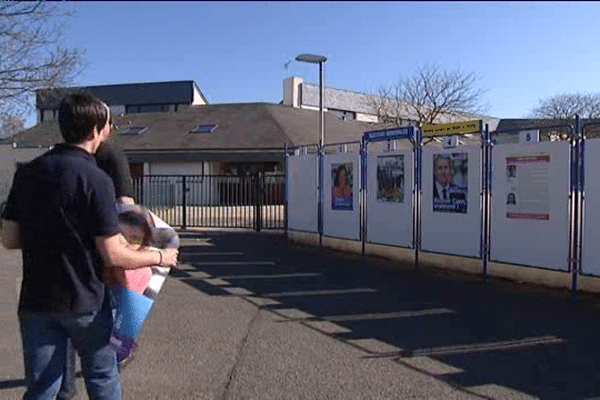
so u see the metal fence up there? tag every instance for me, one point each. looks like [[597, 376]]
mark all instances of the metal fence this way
[[215, 201]]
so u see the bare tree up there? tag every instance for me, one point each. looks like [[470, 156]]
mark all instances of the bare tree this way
[[428, 96], [11, 124], [565, 106], [32, 55]]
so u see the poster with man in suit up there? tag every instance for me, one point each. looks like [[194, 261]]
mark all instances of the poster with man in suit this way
[[450, 182]]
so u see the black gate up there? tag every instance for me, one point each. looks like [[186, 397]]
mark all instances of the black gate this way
[[215, 201]]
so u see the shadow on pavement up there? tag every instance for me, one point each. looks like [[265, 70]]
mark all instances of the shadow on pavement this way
[[12, 384], [452, 327]]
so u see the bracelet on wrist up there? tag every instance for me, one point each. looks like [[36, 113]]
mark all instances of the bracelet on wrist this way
[[161, 258]]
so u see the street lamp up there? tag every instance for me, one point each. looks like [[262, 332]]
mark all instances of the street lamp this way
[[316, 59]]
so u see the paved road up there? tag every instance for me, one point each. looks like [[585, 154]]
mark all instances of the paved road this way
[[249, 317]]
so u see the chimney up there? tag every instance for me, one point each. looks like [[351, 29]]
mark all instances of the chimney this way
[[292, 91]]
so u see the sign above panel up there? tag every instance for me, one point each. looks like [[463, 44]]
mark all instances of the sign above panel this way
[[454, 128], [407, 132], [529, 136]]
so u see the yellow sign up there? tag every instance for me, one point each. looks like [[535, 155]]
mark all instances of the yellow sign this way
[[452, 129]]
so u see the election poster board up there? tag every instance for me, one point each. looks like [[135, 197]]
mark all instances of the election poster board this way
[[302, 191], [390, 198], [451, 224], [341, 211], [591, 223], [530, 204]]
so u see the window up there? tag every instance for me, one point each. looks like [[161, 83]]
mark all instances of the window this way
[[145, 108], [132, 109], [204, 128], [134, 130], [154, 108]]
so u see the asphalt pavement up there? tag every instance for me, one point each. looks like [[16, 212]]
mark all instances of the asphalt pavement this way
[[248, 316]]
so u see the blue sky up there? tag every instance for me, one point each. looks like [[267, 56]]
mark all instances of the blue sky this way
[[236, 51]]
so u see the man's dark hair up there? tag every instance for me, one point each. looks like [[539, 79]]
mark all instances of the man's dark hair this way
[[78, 114], [440, 157]]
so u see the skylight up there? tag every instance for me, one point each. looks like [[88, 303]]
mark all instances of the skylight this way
[[134, 130], [204, 128]]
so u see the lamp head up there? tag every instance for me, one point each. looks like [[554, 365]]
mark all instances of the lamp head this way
[[311, 58]]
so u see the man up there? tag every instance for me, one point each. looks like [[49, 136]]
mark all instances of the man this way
[[447, 196], [60, 212], [112, 161], [443, 173]]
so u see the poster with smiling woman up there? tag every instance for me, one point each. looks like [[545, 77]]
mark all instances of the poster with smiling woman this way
[[341, 191]]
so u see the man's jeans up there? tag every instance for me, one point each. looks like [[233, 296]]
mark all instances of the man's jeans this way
[[45, 335]]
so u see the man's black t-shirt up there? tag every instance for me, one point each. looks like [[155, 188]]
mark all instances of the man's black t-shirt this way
[[61, 202], [114, 163]]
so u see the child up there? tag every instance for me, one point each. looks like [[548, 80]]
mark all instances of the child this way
[[142, 229]]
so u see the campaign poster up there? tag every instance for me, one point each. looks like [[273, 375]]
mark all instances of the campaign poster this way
[[527, 191], [137, 289], [390, 179], [341, 188], [450, 182]]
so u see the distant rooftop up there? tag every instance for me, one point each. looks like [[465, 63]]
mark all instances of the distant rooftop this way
[[175, 92]]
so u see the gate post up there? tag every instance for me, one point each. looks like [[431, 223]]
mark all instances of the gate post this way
[[183, 204], [576, 194], [258, 201], [141, 199], [285, 190]]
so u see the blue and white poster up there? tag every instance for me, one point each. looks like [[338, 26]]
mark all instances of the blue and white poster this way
[[450, 182], [341, 190]]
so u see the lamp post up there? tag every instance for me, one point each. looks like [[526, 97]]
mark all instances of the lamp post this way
[[316, 59]]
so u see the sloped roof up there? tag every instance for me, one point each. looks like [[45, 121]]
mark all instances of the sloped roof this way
[[127, 94], [336, 98], [349, 100], [525, 123], [240, 126]]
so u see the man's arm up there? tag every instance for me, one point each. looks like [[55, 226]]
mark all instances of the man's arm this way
[[116, 252], [11, 236]]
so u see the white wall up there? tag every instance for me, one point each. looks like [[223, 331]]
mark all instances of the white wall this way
[[291, 91], [366, 117], [197, 98], [179, 168], [116, 110], [201, 191]]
